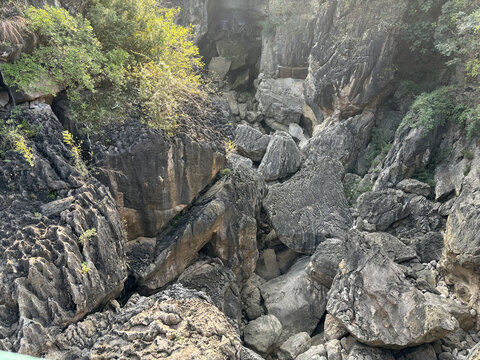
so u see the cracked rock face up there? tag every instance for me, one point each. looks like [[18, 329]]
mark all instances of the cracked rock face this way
[[379, 307], [176, 324], [49, 278], [310, 206]]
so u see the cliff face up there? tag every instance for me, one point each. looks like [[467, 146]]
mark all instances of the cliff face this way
[[305, 221]]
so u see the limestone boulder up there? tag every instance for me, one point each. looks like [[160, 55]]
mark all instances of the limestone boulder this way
[[294, 346], [224, 217], [310, 206], [62, 250], [263, 334], [250, 142], [282, 157], [173, 324], [378, 305], [281, 100], [295, 300], [363, 352], [324, 262]]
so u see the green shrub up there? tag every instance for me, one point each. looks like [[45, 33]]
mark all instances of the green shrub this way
[[87, 235], [380, 144], [433, 109], [76, 151], [14, 136]]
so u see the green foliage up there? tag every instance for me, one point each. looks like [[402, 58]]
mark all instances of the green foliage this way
[[225, 172], [68, 57], [141, 60], [14, 136], [85, 267], [457, 34], [380, 144], [467, 154], [87, 235], [76, 151], [52, 195], [467, 169], [426, 175], [470, 119], [433, 109], [355, 189]]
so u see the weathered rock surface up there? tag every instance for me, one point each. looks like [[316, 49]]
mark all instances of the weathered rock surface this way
[[411, 150], [281, 100], [383, 208], [351, 64], [378, 306], [295, 300], [218, 282], [250, 142], [251, 298], [295, 345], [174, 324], [394, 248], [224, 217], [414, 186], [324, 262], [310, 206], [363, 352], [317, 352], [461, 257], [282, 157], [263, 334], [342, 140], [48, 277], [334, 329]]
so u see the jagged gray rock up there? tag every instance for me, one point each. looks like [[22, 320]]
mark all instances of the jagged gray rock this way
[[334, 329], [378, 306], [294, 346], [295, 300], [263, 334], [317, 352], [250, 142], [49, 277], [363, 352], [224, 217], [461, 257], [176, 324], [218, 282], [394, 248], [310, 206], [348, 71], [282, 157], [383, 208], [414, 186], [324, 262], [281, 100]]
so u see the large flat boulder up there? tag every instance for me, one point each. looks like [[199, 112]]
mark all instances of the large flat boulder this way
[[310, 206], [378, 305]]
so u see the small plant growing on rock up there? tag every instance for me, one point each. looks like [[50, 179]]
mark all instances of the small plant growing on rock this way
[[225, 172], [85, 268], [467, 154], [14, 136], [76, 152], [230, 146], [87, 235]]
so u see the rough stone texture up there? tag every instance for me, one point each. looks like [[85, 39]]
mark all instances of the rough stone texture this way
[[324, 262], [295, 300], [394, 248], [317, 352], [281, 100], [429, 247], [267, 265], [250, 142], [224, 217], [282, 157], [310, 206], [248, 354], [151, 189], [218, 282], [192, 12], [288, 46], [334, 350], [263, 334], [44, 281], [334, 329], [219, 67], [383, 208], [424, 352], [342, 140], [294, 346], [411, 150], [461, 256], [363, 352], [252, 299], [475, 354], [414, 186], [378, 306], [351, 65], [176, 324]]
